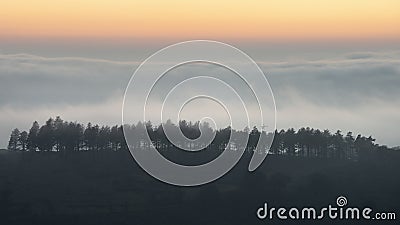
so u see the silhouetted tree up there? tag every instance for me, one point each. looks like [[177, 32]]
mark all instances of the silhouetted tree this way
[[72, 138], [338, 142], [13, 143], [91, 136], [349, 141], [59, 130], [325, 143], [290, 141], [33, 137], [62, 136], [46, 136], [23, 140], [115, 138]]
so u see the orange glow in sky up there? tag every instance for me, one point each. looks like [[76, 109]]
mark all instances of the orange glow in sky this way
[[275, 20]]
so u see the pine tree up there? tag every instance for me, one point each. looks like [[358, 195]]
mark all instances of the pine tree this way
[[14, 140], [23, 140], [32, 142]]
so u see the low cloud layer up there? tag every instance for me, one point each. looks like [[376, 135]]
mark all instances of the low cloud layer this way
[[356, 91]]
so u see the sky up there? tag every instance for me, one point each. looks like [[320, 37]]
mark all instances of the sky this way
[[259, 20], [331, 64]]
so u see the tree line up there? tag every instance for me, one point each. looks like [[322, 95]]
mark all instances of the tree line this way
[[57, 135]]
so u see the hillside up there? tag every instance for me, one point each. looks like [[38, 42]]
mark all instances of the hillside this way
[[109, 188]]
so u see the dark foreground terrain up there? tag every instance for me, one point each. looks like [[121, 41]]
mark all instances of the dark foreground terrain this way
[[109, 188]]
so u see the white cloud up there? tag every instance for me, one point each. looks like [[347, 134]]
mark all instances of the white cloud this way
[[357, 91]]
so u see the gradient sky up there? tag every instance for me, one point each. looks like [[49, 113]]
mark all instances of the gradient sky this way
[[176, 19]]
